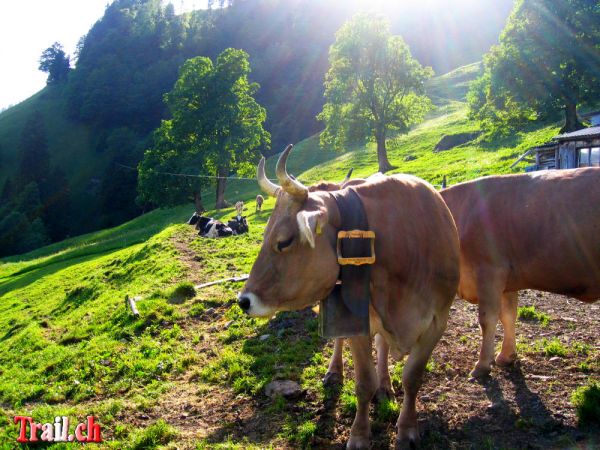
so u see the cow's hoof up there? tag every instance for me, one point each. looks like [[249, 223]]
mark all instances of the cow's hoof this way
[[479, 372], [505, 361], [383, 393], [333, 379], [358, 443], [408, 438]]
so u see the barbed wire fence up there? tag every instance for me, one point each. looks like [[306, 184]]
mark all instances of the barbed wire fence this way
[[217, 177]]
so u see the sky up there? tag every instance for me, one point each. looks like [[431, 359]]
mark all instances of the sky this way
[[28, 27]]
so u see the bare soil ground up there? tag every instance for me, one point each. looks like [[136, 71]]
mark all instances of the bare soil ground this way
[[524, 407]]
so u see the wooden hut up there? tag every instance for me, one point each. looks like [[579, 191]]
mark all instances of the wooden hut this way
[[566, 151]]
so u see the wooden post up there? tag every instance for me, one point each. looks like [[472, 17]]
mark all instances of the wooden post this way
[[130, 302], [225, 280]]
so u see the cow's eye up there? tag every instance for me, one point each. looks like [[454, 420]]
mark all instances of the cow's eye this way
[[282, 245]]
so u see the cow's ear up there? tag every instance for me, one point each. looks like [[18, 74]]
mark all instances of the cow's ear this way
[[311, 223]]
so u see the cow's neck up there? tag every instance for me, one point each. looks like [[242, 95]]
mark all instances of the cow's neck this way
[[333, 210]]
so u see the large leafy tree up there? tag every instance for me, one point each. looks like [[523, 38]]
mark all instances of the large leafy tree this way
[[547, 60], [373, 87], [55, 62], [216, 128]]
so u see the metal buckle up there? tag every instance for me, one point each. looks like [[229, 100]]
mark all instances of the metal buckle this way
[[355, 234]]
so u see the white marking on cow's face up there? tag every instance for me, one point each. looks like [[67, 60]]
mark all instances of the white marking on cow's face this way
[[257, 307]]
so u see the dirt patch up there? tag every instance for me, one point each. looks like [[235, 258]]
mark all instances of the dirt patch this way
[[526, 406], [189, 257]]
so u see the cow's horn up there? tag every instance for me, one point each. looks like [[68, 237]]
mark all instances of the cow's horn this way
[[265, 184], [348, 175], [289, 184]]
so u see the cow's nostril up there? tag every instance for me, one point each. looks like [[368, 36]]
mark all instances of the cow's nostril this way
[[244, 303]]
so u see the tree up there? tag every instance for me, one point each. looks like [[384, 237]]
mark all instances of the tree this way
[[373, 86], [55, 63], [216, 128], [34, 158], [546, 61], [166, 156]]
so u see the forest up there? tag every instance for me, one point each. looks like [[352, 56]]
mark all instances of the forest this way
[[84, 132]]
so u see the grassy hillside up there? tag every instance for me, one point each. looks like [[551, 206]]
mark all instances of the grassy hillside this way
[[183, 372]]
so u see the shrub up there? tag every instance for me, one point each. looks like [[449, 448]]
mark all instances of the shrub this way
[[182, 292], [586, 400]]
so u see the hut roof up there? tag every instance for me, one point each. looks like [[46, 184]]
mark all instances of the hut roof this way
[[584, 133]]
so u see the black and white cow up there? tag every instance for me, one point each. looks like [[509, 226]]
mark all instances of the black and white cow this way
[[209, 227], [238, 224]]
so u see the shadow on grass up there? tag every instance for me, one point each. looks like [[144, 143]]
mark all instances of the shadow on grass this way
[[281, 349], [31, 276]]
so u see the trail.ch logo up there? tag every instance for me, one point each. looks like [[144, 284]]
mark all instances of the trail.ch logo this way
[[88, 431]]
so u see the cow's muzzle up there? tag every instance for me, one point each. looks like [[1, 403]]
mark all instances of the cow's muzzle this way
[[244, 303], [252, 305]]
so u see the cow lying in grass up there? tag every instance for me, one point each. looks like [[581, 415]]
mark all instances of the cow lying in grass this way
[[413, 281], [238, 224], [209, 227]]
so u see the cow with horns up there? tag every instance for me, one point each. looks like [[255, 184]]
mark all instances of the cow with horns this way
[[413, 281]]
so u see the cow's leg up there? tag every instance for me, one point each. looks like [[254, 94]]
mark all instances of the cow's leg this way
[[383, 372], [335, 371], [489, 295], [412, 377], [508, 317], [366, 385]]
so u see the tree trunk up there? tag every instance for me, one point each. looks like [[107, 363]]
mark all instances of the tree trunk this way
[[572, 122], [382, 159], [222, 173], [198, 203]]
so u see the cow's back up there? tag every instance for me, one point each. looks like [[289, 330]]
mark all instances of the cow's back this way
[[541, 230], [417, 239]]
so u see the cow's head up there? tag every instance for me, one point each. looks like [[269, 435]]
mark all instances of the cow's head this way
[[297, 264]]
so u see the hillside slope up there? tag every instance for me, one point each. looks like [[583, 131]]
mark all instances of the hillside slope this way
[[104, 115], [190, 371]]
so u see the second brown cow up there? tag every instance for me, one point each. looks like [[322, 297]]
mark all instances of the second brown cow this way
[[527, 231]]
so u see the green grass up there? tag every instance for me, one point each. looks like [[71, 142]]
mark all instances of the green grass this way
[[157, 434], [348, 400], [181, 292], [530, 313], [387, 410]]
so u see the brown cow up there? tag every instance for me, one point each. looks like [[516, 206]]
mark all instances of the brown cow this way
[[528, 231], [413, 281]]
